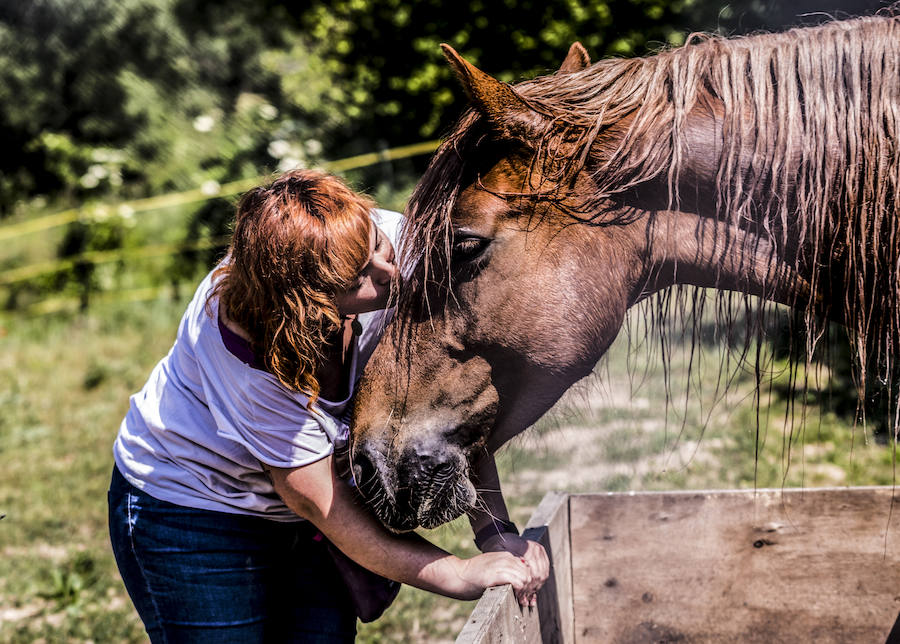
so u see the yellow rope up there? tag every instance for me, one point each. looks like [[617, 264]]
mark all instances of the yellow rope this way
[[69, 304], [191, 196], [103, 256]]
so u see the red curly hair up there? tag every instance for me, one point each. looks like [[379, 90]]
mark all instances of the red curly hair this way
[[296, 244]]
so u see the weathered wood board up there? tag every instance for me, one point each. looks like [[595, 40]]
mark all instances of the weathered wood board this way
[[811, 565], [814, 565], [498, 616]]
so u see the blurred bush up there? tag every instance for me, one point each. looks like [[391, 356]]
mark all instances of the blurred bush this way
[[135, 97], [102, 100]]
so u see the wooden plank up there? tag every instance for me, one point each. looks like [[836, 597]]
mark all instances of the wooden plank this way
[[767, 566], [555, 610], [549, 526], [499, 618]]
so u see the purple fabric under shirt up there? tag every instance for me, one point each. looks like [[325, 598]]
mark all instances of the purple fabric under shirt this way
[[239, 347]]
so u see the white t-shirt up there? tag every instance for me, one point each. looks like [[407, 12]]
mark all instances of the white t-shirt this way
[[202, 427]]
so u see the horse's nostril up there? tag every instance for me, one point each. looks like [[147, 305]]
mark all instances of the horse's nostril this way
[[357, 473], [427, 473], [364, 472]]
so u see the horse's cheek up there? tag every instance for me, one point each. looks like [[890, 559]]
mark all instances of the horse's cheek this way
[[584, 304]]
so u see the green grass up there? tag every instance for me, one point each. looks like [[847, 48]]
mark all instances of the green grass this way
[[633, 426], [64, 387], [66, 383]]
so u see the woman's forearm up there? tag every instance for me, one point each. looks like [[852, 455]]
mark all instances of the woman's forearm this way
[[487, 483], [334, 508]]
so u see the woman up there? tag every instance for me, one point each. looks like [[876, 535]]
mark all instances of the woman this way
[[226, 477]]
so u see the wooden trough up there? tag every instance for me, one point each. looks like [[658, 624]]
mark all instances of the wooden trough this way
[[793, 565]]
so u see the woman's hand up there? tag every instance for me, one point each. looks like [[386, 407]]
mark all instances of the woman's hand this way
[[532, 555], [491, 510], [494, 569]]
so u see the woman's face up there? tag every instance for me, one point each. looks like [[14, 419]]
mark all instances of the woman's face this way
[[372, 287]]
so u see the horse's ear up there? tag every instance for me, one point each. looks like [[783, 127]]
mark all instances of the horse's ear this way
[[496, 100], [576, 60]]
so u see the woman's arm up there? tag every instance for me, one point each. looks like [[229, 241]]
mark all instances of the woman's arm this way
[[315, 493], [491, 511], [491, 506]]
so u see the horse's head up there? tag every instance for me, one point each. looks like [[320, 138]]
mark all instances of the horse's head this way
[[507, 306], [557, 204]]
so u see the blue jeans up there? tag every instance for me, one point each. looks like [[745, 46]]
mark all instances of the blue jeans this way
[[200, 576]]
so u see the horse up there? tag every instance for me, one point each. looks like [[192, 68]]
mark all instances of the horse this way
[[767, 165]]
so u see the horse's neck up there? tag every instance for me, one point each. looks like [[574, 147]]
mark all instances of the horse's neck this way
[[692, 239], [689, 249]]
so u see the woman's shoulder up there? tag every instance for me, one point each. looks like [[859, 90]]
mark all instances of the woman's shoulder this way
[[202, 309], [389, 221], [383, 214]]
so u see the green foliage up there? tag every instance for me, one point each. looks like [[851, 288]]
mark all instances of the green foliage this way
[[388, 52], [58, 66], [69, 580], [402, 88], [135, 97], [143, 96]]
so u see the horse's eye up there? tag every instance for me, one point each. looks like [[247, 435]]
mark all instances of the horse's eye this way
[[466, 249]]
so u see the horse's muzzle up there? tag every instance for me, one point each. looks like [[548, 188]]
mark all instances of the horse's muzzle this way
[[427, 487]]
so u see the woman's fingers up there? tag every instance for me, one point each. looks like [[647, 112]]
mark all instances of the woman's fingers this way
[[532, 552], [538, 565], [527, 595], [512, 570], [526, 574], [538, 561], [525, 590]]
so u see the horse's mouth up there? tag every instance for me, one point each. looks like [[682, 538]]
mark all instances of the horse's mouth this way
[[444, 503], [423, 484], [427, 506]]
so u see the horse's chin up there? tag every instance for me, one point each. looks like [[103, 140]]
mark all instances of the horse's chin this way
[[453, 502], [398, 525], [433, 510]]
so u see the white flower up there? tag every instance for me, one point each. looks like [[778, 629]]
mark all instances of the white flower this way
[[98, 171], [89, 181], [125, 211], [289, 163], [268, 112], [313, 147], [107, 155], [210, 187], [204, 123], [279, 148]]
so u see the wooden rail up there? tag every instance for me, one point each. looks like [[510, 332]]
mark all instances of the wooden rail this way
[[499, 618], [793, 565]]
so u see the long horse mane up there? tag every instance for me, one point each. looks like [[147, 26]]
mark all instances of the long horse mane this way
[[810, 133]]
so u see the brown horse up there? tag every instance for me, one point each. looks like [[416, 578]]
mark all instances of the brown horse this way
[[767, 165]]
